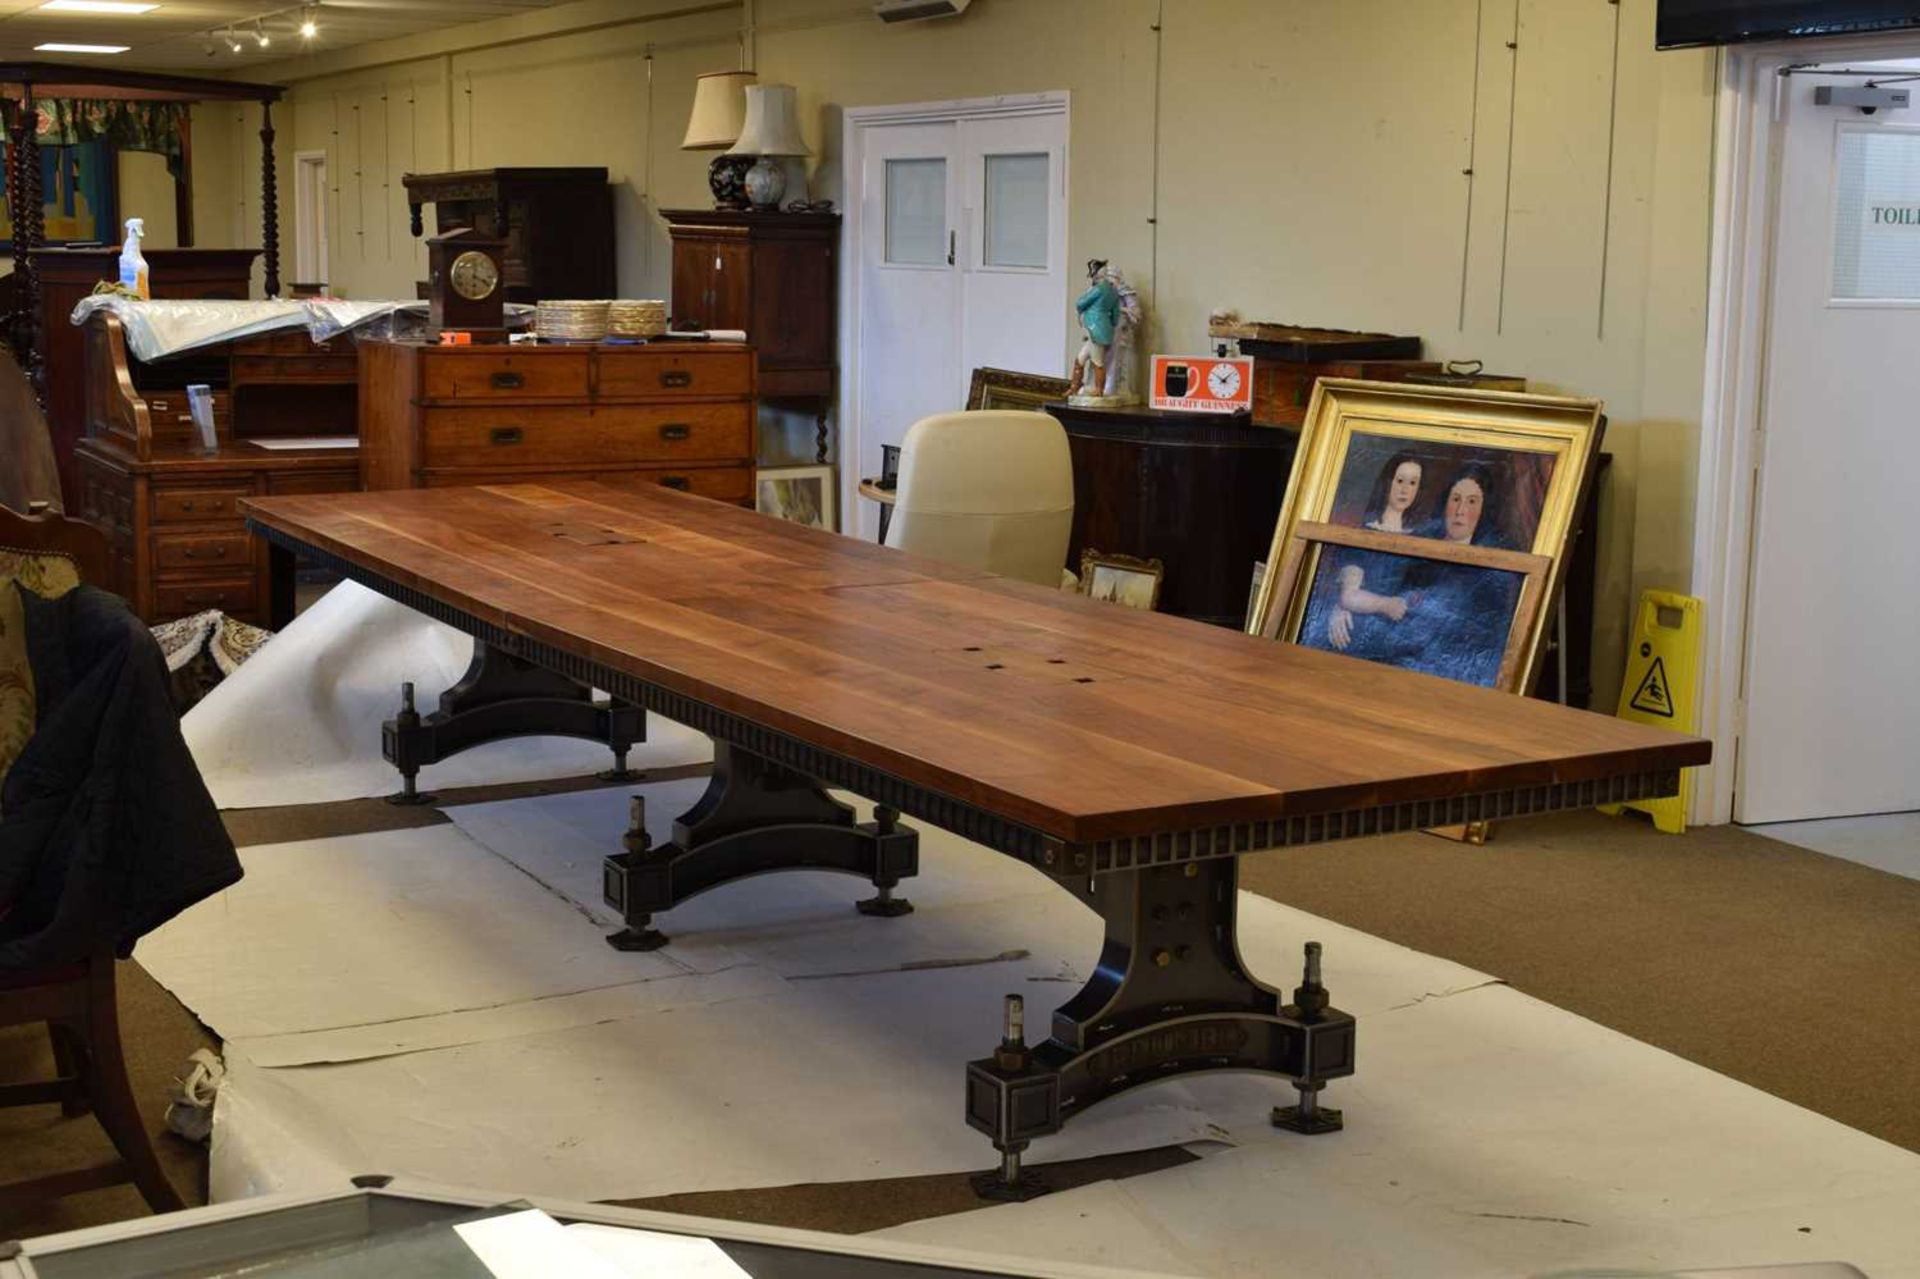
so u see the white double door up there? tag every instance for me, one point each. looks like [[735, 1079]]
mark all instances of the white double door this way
[[961, 265], [1832, 689]]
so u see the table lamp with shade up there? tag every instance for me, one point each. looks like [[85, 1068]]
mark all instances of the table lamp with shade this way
[[771, 133], [719, 114]]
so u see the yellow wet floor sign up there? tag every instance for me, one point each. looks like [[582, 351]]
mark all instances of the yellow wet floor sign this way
[[1663, 672]]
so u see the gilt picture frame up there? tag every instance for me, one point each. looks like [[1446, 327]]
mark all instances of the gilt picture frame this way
[[1454, 492], [1492, 597], [1468, 468], [1123, 579], [1005, 389]]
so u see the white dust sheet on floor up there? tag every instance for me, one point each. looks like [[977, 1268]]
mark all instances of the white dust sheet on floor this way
[[1489, 1133], [299, 723], [415, 1002], [439, 1003]]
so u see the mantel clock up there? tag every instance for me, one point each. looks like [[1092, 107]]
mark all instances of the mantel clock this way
[[466, 285]]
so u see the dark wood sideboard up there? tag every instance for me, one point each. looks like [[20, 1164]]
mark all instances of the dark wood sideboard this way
[[1197, 492], [775, 275], [66, 276]]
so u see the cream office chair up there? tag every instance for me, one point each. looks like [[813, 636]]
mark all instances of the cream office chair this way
[[991, 490]]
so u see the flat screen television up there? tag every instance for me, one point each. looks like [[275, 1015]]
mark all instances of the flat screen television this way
[[1694, 22]]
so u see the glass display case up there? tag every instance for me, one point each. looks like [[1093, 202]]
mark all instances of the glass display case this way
[[390, 1227]]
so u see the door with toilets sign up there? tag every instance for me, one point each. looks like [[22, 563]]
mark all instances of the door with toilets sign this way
[[1832, 706]]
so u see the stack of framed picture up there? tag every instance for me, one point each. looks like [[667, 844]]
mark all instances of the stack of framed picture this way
[[1427, 527]]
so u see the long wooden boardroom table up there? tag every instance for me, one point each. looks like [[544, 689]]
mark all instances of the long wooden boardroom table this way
[[1129, 756]]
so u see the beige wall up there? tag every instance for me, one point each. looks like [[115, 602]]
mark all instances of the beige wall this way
[[1309, 169]]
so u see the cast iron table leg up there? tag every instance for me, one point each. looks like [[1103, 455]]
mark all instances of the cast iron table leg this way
[[756, 816], [282, 570], [1170, 996], [504, 696]]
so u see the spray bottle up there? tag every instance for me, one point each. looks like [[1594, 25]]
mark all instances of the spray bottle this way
[[133, 267]]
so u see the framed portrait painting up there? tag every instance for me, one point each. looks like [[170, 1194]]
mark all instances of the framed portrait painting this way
[[1427, 527], [1473, 607], [800, 494], [1419, 519]]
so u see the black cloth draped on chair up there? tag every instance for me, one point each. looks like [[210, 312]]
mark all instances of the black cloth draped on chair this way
[[106, 829]]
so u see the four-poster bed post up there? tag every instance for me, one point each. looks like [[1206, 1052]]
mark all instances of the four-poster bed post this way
[[26, 83]]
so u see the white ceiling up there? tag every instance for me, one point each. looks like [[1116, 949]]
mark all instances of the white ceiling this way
[[173, 37]]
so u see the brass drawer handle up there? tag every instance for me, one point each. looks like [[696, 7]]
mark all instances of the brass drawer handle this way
[[506, 435], [676, 377], [675, 482], [508, 381], [676, 431], [205, 601], [194, 552]]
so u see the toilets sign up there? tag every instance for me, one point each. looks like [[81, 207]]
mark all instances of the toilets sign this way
[[1876, 222]]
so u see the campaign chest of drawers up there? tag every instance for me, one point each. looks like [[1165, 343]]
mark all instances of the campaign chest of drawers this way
[[678, 414]]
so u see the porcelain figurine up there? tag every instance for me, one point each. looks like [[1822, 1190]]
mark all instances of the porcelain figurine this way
[[1109, 311]]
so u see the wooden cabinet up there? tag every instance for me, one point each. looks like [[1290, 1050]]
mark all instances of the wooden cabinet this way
[[557, 222], [678, 414], [66, 276], [774, 275], [178, 542], [1199, 493]]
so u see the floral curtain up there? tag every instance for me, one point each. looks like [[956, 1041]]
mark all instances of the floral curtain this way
[[127, 124]]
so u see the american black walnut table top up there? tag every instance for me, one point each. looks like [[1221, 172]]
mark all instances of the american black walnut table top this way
[[1080, 719]]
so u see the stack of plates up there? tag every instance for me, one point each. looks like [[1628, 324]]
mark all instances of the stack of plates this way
[[571, 321], [629, 318]]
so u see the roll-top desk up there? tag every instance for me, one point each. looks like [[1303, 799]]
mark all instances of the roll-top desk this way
[[67, 275], [178, 542]]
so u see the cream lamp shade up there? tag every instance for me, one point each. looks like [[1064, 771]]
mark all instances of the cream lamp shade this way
[[773, 123], [719, 110]]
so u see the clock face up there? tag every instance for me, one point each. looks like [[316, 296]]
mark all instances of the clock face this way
[[1224, 381], [473, 275]]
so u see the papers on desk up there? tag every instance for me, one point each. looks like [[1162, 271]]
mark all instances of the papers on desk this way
[[290, 442], [532, 1245]]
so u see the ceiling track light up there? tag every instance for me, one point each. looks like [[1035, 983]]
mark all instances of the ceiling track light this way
[[233, 41], [309, 28], [260, 36]]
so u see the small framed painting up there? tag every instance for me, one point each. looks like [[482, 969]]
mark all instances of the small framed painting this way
[[1121, 579], [1005, 389], [798, 494]]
